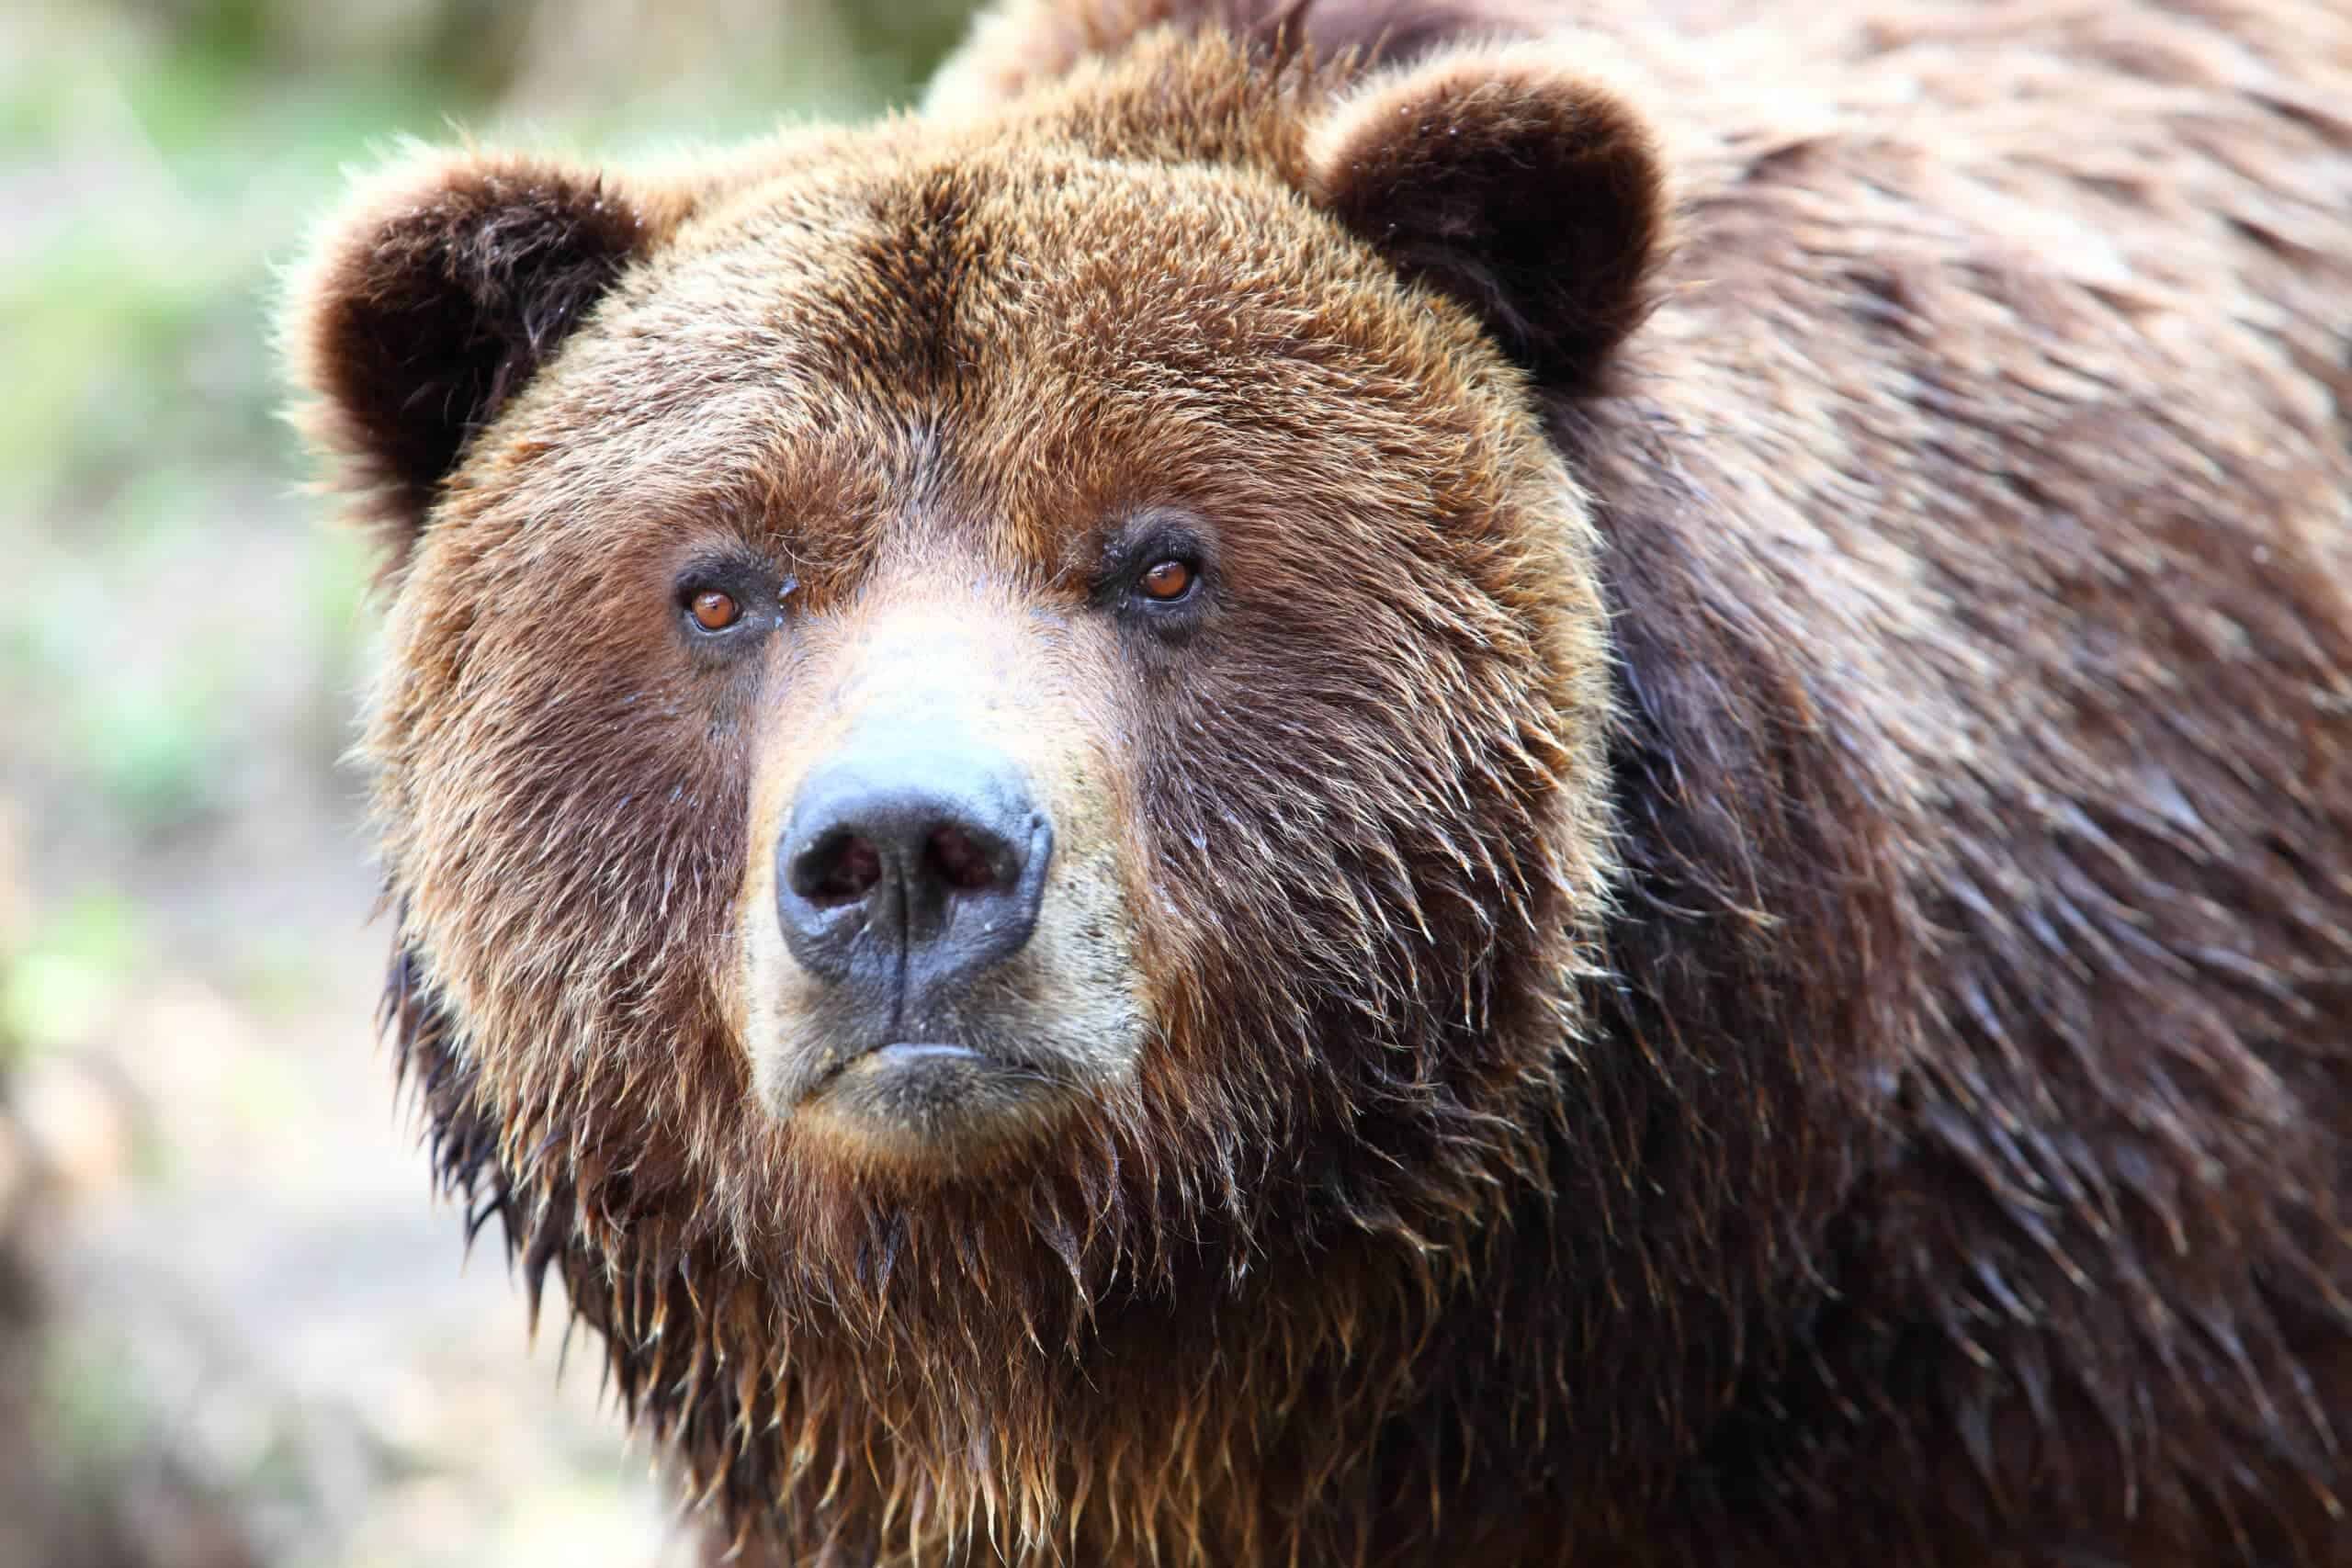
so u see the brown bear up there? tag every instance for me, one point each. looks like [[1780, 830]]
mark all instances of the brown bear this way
[[1369, 784]]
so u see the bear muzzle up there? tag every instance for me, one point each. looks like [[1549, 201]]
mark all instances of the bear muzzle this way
[[906, 871], [938, 916]]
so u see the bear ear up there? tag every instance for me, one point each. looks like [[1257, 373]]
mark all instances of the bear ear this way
[[431, 299], [1503, 178]]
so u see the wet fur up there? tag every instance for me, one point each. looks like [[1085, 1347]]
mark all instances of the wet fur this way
[[1898, 1111]]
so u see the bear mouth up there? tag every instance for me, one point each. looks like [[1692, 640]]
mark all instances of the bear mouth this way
[[922, 1095]]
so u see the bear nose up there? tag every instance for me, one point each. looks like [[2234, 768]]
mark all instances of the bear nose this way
[[905, 871]]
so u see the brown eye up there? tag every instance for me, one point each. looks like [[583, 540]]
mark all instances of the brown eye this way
[[714, 611], [1166, 581]]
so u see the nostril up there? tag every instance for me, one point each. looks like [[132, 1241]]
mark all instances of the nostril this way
[[957, 861], [842, 869]]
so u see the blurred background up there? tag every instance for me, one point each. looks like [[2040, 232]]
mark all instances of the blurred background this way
[[236, 1328]]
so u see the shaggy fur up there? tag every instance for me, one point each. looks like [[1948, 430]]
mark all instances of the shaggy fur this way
[[1743, 898]]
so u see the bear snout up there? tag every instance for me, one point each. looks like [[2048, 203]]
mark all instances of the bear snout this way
[[936, 919], [907, 870]]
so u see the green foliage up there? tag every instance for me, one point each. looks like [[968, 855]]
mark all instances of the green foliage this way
[[55, 991]]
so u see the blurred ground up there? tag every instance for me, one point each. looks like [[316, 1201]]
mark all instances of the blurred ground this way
[[233, 1326]]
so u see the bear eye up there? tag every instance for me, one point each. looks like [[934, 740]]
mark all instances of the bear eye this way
[[1158, 574], [1166, 581], [713, 610]]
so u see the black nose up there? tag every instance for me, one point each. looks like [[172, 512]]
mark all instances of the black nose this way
[[907, 871]]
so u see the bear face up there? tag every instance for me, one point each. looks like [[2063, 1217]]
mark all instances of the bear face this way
[[1028, 699]]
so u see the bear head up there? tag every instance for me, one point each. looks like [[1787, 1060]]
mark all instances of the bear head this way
[[992, 728]]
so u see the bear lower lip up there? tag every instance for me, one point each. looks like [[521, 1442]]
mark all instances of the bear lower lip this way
[[901, 1056], [905, 1051]]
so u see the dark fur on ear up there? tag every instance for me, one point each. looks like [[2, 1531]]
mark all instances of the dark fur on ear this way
[[1528, 192], [432, 298]]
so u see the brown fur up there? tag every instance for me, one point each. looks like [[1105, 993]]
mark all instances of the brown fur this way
[[1741, 921]]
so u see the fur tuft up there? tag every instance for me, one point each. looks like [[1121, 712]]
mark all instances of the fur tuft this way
[[1019, 46]]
